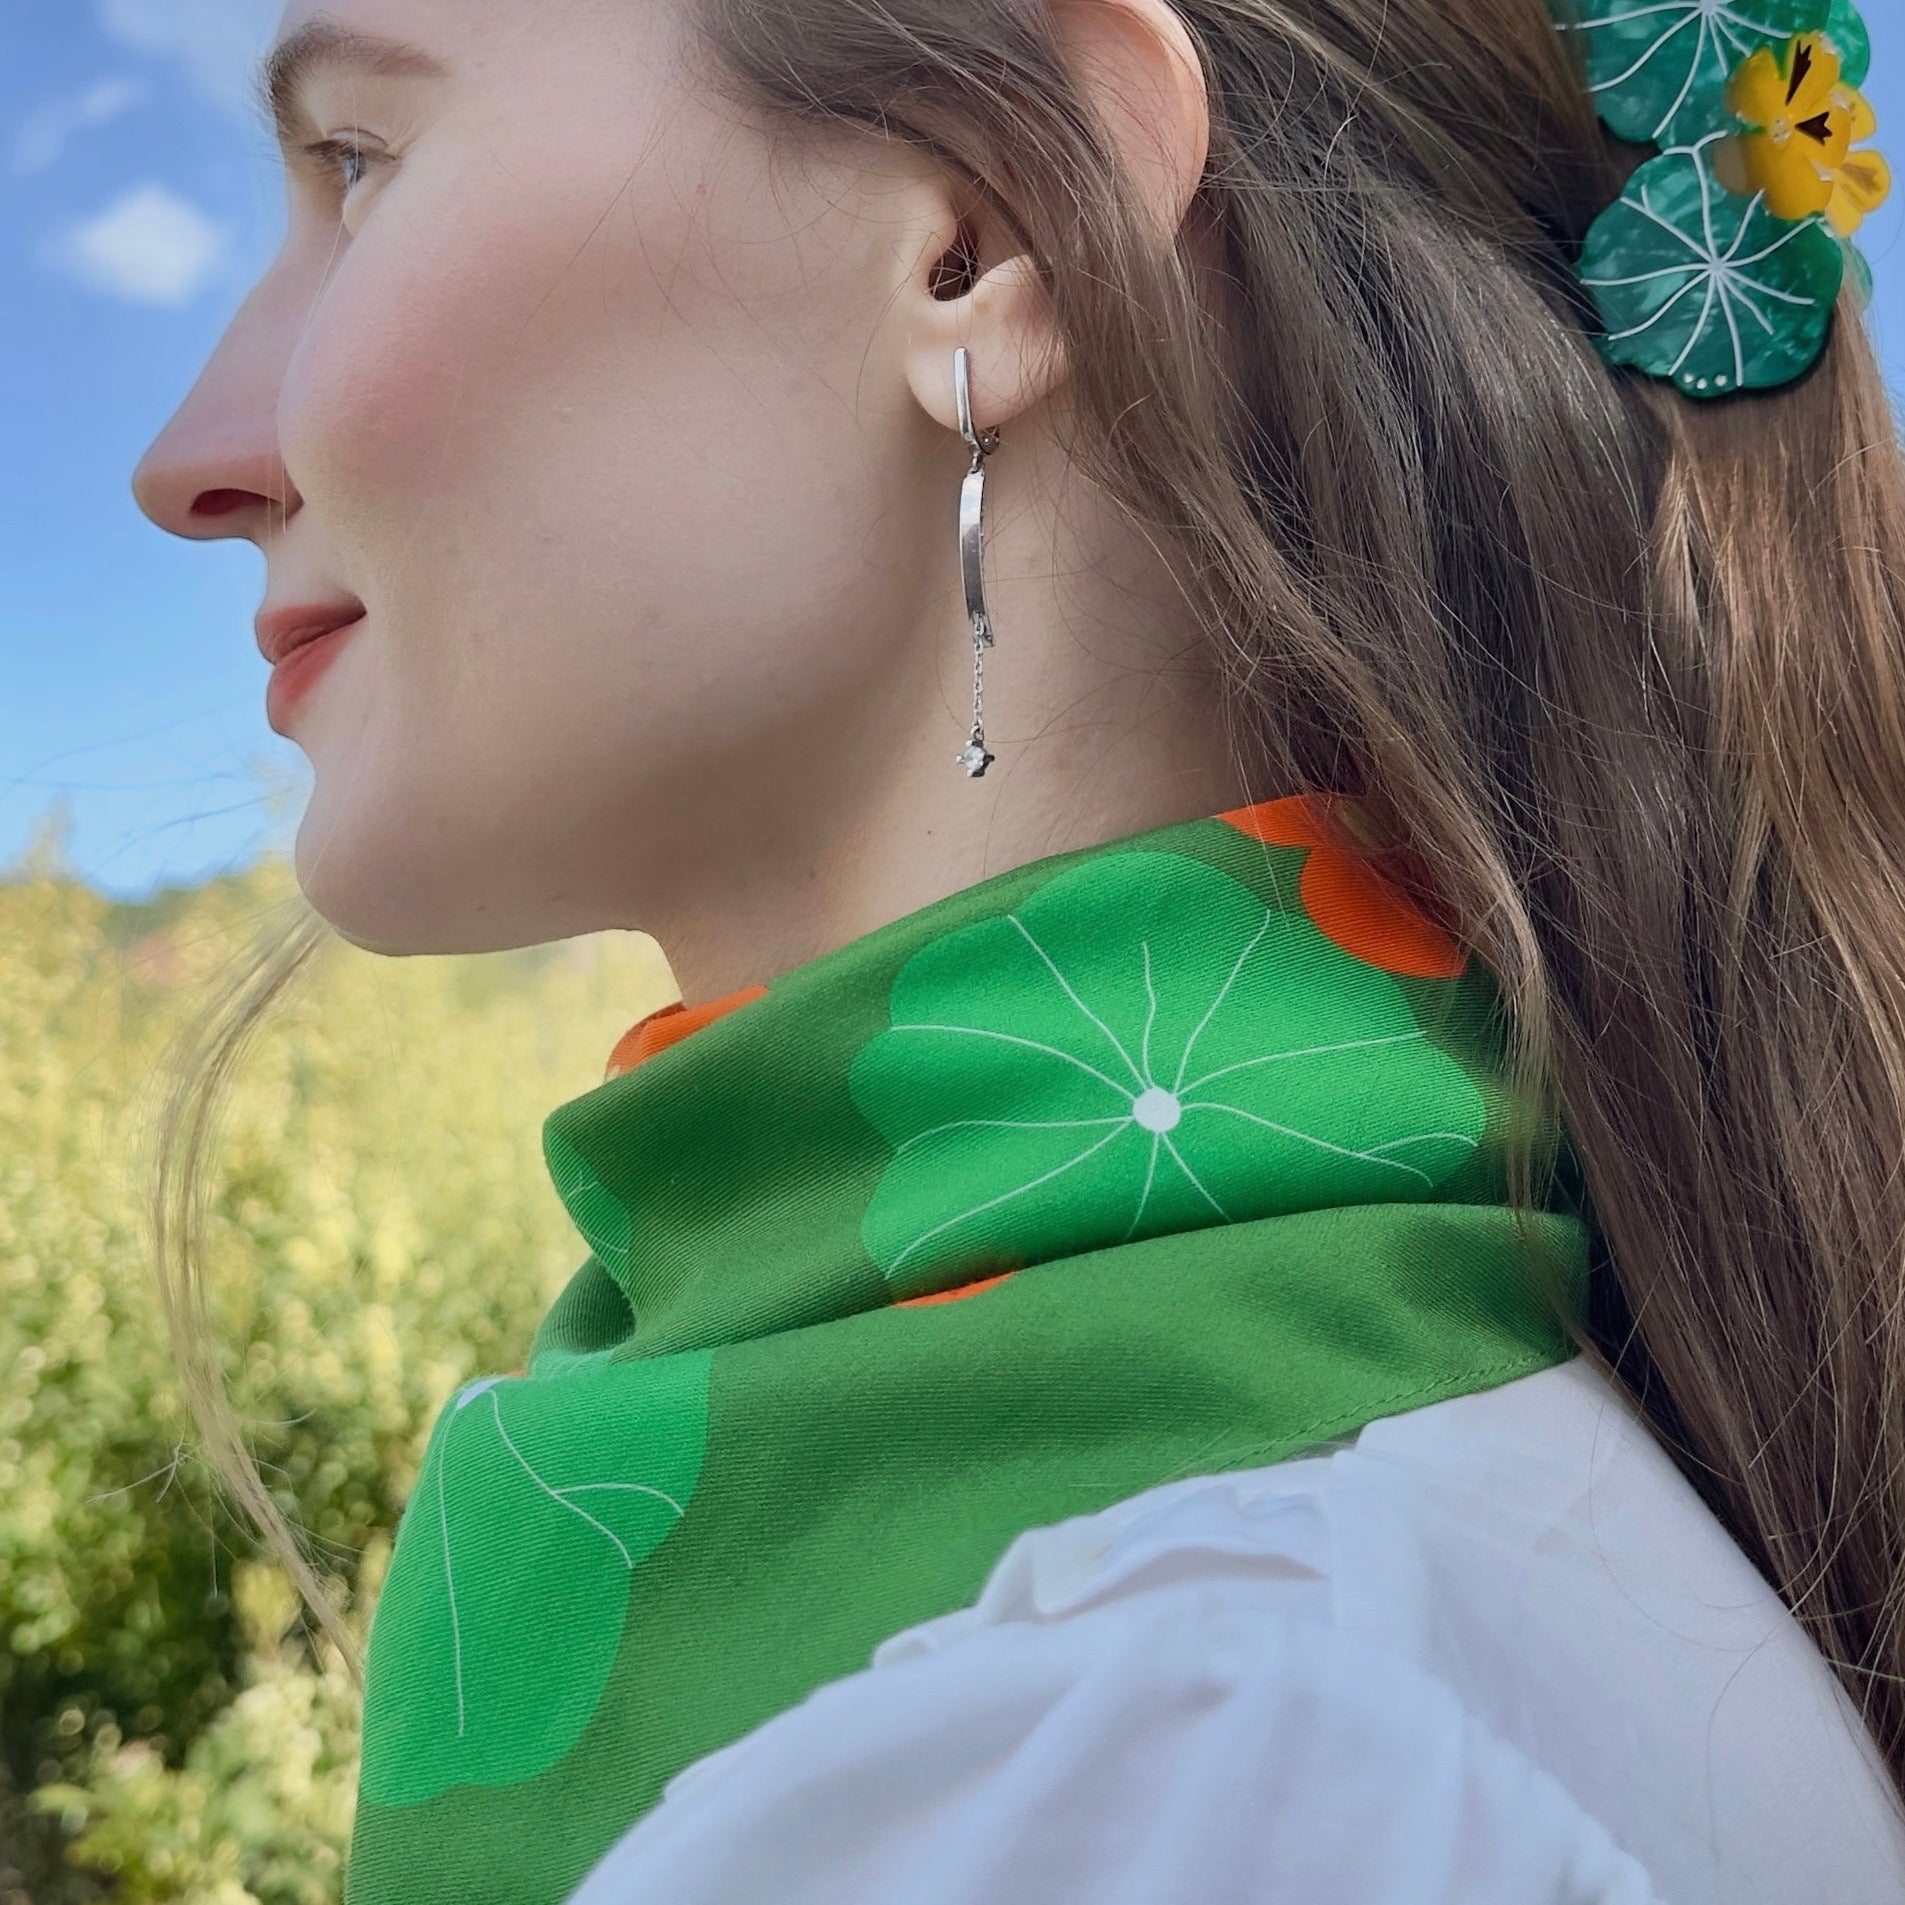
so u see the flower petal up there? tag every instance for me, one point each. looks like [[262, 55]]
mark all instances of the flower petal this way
[[1349, 901], [668, 1025], [1863, 185], [1794, 185], [1810, 69], [954, 1296], [1757, 90]]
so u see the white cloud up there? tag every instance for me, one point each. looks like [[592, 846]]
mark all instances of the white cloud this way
[[149, 246], [42, 135], [217, 41]]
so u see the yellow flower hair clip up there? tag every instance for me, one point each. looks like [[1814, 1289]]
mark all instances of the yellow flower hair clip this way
[[1720, 264], [1803, 120]]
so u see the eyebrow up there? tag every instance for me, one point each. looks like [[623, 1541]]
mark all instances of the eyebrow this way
[[284, 73]]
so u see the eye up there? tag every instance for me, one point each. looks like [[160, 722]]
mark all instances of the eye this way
[[342, 160]]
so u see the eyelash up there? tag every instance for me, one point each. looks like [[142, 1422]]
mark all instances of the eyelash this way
[[330, 154]]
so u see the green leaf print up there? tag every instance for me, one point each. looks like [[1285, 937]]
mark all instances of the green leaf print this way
[[537, 1498], [1140, 1047], [593, 1208]]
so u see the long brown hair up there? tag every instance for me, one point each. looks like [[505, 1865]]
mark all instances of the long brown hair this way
[[1620, 675], [1624, 675]]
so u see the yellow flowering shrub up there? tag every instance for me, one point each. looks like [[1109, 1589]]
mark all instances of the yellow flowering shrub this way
[[381, 1228]]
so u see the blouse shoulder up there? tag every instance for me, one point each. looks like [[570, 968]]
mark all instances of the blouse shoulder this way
[[1168, 1733], [1492, 1650]]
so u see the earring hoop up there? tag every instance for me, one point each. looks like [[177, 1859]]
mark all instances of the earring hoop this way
[[972, 497]]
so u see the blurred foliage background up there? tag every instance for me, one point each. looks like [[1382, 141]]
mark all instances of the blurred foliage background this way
[[381, 1228]]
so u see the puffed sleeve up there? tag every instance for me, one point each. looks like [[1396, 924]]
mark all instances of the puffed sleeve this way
[[1195, 1737]]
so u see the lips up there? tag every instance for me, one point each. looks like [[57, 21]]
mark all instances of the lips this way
[[300, 640], [280, 630]]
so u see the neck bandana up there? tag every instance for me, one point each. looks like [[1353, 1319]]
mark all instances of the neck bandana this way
[[1167, 1157]]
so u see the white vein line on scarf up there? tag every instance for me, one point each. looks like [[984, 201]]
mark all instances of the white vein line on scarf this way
[[1303, 1051], [1223, 992], [637, 1488], [449, 1579], [1117, 1044], [1195, 1179], [1014, 1124], [620, 1252], [1004, 1197], [1012, 1038], [1144, 1196], [562, 1501], [1290, 1131], [1150, 1017]]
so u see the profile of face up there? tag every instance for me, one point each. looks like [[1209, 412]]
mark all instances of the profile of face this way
[[632, 430]]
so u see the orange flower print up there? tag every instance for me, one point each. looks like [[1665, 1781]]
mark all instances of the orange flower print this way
[[954, 1296], [668, 1025], [1347, 899]]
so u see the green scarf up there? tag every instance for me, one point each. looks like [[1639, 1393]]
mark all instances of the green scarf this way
[[1162, 1158]]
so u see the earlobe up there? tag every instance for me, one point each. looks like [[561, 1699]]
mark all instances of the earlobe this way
[[1005, 322]]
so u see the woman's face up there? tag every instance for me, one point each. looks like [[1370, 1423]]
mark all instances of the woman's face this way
[[601, 412]]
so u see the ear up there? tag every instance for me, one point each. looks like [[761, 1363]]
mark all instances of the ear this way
[[1138, 69]]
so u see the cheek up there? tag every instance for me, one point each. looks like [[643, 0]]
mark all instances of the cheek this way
[[394, 389], [598, 443], [590, 258], [545, 389]]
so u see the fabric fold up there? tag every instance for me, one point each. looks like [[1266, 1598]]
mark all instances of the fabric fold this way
[[1160, 1158]]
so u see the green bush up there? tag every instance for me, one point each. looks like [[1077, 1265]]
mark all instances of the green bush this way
[[381, 1228]]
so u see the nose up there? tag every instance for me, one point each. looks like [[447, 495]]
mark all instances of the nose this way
[[214, 470]]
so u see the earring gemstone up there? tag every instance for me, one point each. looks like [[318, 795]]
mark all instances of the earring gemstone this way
[[974, 759]]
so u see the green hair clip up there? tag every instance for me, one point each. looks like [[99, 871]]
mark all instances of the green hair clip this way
[[1719, 265]]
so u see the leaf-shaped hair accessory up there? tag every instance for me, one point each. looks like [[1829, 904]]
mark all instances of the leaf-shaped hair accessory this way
[[1658, 69], [1704, 287], [1142, 1046], [1846, 32], [1802, 119]]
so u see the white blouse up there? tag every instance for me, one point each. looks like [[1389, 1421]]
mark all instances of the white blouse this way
[[1495, 1651]]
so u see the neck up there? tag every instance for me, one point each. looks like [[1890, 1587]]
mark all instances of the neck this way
[[1101, 705]]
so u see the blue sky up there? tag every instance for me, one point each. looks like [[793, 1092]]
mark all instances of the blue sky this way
[[142, 200], [140, 204]]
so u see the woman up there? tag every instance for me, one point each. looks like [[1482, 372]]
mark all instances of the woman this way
[[1266, 1263]]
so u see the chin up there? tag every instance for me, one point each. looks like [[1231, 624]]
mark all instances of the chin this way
[[393, 882], [372, 888], [357, 911]]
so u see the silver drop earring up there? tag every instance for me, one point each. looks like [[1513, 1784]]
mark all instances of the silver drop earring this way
[[972, 497]]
